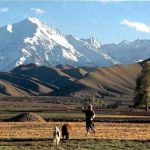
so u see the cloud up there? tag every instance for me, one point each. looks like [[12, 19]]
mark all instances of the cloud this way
[[38, 10], [136, 25], [3, 10]]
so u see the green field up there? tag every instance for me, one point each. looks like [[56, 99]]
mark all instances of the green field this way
[[93, 144], [54, 110]]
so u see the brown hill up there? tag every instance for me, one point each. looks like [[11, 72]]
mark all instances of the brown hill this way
[[119, 79], [106, 81], [8, 89], [66, 80], [50, 75], [24, 83]]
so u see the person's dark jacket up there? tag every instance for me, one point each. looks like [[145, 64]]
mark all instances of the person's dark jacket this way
[[90, 114]]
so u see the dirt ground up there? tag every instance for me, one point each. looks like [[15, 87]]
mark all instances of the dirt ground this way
[[32, 130]]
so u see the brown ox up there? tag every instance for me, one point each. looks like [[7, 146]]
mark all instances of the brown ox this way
[[66, 129]]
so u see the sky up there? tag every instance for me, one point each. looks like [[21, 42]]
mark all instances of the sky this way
[[109, 21]]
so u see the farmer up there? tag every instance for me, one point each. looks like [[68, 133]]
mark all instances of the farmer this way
[[90, 115]]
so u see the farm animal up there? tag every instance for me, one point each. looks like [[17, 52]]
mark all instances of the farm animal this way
[[56, 136], [66, 129]]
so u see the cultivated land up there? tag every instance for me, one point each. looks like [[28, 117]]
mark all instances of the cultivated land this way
[[32, 130], [108, 136], [111, 135]]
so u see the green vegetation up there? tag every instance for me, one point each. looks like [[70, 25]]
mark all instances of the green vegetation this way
[[97, 102], [143, 87], [82, 145], [52, 111]]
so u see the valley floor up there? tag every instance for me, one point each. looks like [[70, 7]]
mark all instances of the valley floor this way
[[29, 130], [109, 136], [120, 134]]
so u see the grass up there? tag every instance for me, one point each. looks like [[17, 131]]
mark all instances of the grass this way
[[68, 111], [88, 144]]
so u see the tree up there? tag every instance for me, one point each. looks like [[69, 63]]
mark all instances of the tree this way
[[142, 91], [91, 99]]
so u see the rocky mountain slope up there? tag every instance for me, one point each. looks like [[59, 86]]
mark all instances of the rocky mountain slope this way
[[32, 41]]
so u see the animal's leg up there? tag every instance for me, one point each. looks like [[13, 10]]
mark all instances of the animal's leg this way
[[63, 137], [57, 142], [54, 141]]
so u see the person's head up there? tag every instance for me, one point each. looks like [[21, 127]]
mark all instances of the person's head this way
[[90, 107]]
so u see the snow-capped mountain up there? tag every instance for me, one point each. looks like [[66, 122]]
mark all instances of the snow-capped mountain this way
[[32, 41], [128, 52]]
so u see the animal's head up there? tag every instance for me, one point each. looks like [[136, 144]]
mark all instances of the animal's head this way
[[56, 129]]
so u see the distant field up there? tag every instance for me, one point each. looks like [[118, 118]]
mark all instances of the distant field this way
[[52, 109], [109, 136], [79, 116]]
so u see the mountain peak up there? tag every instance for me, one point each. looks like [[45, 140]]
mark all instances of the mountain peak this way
[[33, 20], [124, 42], [32, 41], [94, 42]]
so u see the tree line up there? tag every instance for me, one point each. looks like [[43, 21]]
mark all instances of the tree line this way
[[142, 91]]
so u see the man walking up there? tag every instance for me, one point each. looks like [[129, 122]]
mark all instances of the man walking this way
[[90, 115]]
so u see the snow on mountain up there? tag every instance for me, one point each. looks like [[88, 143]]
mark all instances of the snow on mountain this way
[[32, 41], [128, 52], [92, 42], [90, 49], [9, 27]]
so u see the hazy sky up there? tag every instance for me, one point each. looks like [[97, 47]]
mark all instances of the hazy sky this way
[[109, 22]]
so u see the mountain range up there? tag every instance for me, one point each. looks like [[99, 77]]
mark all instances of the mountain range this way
[[32, 41]]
